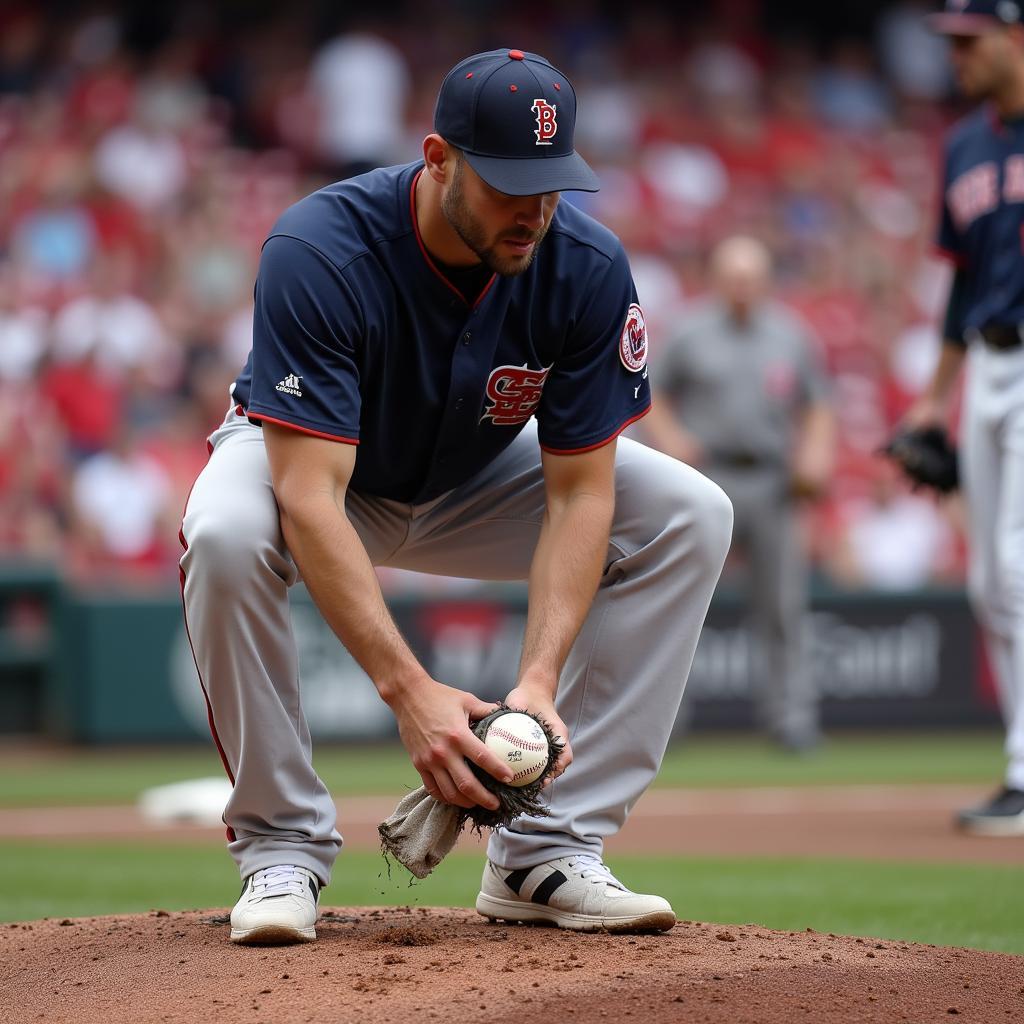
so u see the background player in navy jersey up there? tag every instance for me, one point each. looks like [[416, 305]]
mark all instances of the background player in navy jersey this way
[[982, 231], [443, 358]]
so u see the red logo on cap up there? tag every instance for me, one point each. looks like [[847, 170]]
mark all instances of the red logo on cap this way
[[546, 124]]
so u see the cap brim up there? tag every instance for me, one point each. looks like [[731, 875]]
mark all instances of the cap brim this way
[[530, 177], [948, 23]]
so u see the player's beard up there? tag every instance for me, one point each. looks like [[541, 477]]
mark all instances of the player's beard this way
[[473, 234]]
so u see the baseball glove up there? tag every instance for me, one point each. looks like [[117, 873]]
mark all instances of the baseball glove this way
[[926, 457]]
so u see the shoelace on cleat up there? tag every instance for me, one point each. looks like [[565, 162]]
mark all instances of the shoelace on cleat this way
[[594, 869], [281, 880]]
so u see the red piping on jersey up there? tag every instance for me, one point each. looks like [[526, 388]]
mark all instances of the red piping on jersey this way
[[598, 444], [303, 430], [188, 633], [955, 257], [426, 255]]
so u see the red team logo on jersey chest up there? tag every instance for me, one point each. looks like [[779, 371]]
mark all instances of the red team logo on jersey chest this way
[[514, 394], [973, 194], [1013, 179], [546, 123]]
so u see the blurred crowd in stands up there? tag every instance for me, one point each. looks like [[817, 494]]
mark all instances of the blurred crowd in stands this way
[[140, 173]]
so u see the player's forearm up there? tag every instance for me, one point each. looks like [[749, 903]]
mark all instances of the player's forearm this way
[[338, 573], [951, 357], [564, 575], [818, 435], [940, 387], [661, 426], [667, 434]]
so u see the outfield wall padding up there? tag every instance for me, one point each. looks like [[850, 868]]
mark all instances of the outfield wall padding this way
[[117, 667]]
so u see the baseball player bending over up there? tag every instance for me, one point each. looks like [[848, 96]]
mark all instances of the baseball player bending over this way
[[411, 324], [982, 231]]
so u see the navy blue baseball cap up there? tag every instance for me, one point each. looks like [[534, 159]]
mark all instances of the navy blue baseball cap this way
[[513, 115], [975, 17]]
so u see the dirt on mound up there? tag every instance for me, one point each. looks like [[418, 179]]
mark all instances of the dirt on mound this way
[[402, 964]]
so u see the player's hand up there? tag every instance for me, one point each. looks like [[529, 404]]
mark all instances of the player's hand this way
[[433, 722], [810, 474], [538, 700]]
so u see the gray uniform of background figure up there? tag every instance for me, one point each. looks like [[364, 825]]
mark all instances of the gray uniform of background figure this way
[[992, 470], [739, 388], [620, 689]]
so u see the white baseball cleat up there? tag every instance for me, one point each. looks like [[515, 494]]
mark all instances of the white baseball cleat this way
[[578, 892], [1001, 815], [278, 905]]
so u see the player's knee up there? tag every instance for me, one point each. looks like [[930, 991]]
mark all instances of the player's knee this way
[[223, 547], [978, 590], [712, 518], [989, 597], [691, 512], [1010, 567]]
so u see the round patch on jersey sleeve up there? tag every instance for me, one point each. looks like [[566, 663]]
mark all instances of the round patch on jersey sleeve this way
[[633, 343]]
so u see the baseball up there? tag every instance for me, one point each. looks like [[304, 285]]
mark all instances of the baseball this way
[[520, 742]]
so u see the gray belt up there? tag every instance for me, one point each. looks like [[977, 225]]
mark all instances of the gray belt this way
[[742, 460]]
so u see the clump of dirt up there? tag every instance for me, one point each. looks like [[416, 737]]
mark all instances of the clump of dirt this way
[[409, 935]]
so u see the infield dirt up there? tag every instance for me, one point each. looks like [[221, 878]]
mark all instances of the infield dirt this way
[[421, 964], [909, 823]]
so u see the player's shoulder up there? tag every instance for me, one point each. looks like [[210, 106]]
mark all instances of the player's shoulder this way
[[583, 237], [972, 128], [347, 219]]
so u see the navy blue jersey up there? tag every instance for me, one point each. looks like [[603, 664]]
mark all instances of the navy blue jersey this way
[[982, 225], [359, 337]]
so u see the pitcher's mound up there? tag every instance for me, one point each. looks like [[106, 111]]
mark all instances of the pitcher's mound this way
[[414, 964]]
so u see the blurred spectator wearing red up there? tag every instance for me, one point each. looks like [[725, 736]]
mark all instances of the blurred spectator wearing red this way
[[146, 152]]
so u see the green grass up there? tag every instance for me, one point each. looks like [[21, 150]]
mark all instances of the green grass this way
[[898, 757], [118, 776], [106, 776], [977, 906], [957, 905]]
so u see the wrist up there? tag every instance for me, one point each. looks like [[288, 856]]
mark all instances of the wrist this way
[[939, 411], [542, 682], [396, 687], [930, 409]]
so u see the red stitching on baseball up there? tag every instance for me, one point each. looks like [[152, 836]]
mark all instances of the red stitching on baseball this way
[[524, 771], [516, 741]]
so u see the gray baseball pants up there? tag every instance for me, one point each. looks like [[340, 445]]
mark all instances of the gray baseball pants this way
[[619, 692], [993, 475], [767, 533]]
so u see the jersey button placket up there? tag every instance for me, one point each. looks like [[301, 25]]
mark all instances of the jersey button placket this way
[[467, 337]]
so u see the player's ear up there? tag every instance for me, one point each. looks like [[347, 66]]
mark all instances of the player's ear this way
[[439, 158]]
